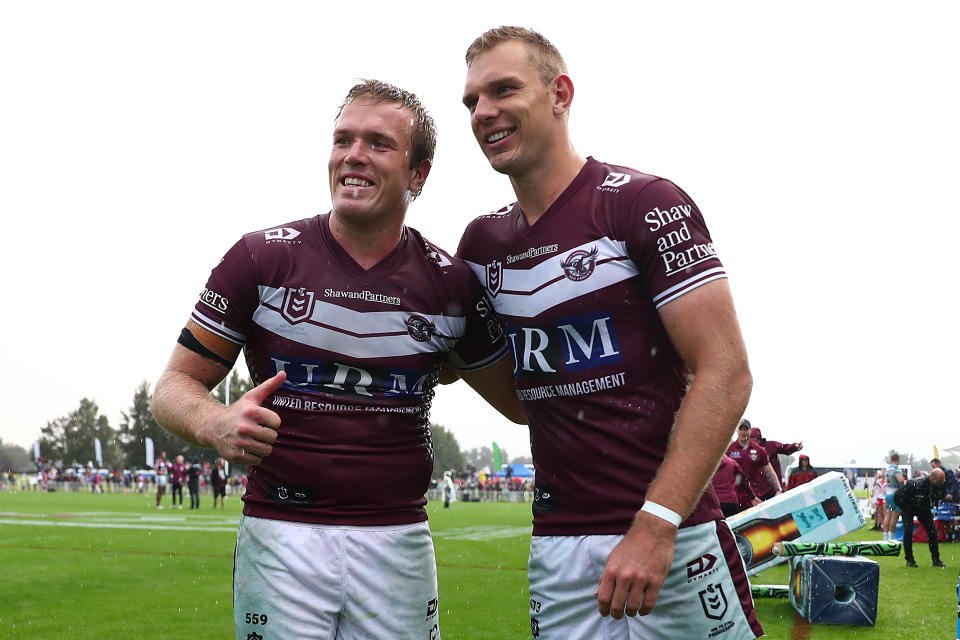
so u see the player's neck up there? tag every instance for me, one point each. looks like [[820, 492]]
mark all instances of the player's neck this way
[[540, 187], [367, 244]]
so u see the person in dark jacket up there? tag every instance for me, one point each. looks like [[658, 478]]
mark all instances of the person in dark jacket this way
[[951, 495], [916, 498], [193, 482]]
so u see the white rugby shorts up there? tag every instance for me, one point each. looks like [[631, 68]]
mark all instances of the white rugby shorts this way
[[706, 595], [161, 480], [332, 582]]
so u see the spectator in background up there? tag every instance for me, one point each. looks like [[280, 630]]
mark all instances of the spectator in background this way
[[774, 449], [218, 481], [950, 496], [915, 499], [449, 490], [754, 462], [193, 482], [729, 482], [894, 479], [178, 475], [161, 466], [802, 473], [879, 500]]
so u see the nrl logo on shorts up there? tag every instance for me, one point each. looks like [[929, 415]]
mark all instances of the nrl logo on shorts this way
[[579, 265], [419, 328], [714, 602], [297, 305], [494, 277]]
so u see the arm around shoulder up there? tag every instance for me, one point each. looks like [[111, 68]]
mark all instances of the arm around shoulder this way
[[497, 386]]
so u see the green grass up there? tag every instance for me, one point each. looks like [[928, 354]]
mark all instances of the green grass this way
[[170, 577]]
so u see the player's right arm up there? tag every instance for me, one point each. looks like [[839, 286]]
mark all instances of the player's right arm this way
[[243, 432], [772, 478]]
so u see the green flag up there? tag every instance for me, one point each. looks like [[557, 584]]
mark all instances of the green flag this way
[[497, 465]]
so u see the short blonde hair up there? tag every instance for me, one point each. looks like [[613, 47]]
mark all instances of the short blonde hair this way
[[545, 57]]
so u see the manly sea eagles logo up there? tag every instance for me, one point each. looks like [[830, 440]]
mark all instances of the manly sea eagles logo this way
[[419, 328], [714, 602], [494, 277], [297, 305], [579, 265]]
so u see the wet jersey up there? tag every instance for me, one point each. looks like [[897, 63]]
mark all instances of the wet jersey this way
[[579, 293], [361, 349], [753, 459]]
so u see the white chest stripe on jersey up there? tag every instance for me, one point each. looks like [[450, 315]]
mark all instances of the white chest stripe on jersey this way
[[371, 334], [526, 293]]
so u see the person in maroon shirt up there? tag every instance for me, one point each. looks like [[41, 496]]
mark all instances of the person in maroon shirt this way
[[774, 450], [628, 358], [733, 490], [178, 476], [345, 320], [755, 463]]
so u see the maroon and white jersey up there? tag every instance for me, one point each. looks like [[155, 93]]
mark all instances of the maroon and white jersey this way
[[752, 459], [361, 350], [578, 293], [178, 473], [161, 465]]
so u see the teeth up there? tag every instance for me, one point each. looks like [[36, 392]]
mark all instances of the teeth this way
[[499, 136], [357, 182]]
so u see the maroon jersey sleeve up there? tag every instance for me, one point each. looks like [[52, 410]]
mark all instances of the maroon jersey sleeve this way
[[669, 243], [482, 343], [227, 302]]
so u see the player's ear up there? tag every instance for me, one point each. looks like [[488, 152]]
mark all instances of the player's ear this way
[[562, 94], [418, 176]]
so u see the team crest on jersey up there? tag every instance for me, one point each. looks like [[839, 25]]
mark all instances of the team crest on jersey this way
[[714, 602], [420, 329], [494, 277], [297, 305], [580, 264], [754, 455]]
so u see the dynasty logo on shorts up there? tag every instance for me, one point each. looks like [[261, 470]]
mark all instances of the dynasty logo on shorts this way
[[714, 602], [701, 567]]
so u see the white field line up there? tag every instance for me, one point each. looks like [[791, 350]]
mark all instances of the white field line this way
[[103, 520]]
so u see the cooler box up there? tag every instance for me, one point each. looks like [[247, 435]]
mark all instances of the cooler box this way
[[920, 534], [835, 589], [818, 511]]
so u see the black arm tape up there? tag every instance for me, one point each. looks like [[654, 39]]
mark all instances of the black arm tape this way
[[190, 341]]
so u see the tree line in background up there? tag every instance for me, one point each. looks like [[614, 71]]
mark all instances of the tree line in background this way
[[69, 440]]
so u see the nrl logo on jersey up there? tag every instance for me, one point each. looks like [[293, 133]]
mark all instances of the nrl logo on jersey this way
[[494, 277], [297, 305], [419, 328], [285, 235], [614, 181], [579, 265]]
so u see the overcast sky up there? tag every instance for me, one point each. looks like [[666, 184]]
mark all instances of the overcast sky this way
[[820, 140]]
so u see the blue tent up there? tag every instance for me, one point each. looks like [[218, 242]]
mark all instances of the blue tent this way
[[520, 470]]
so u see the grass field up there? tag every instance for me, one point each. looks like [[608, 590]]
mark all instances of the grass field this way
[[81, 566]]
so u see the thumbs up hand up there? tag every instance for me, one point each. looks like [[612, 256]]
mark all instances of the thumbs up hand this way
[[245, 431]]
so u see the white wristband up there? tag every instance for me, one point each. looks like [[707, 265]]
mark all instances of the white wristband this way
[[662, 512]]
